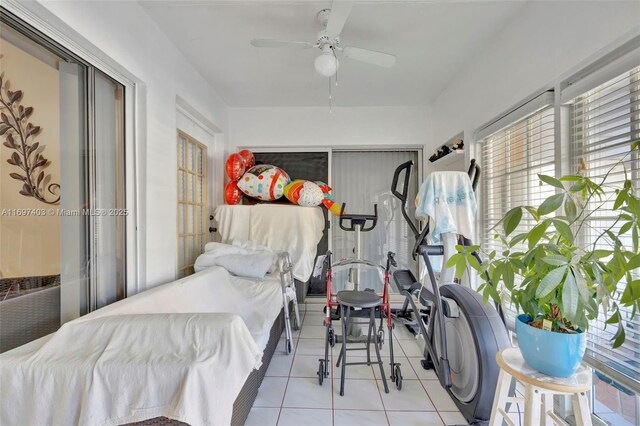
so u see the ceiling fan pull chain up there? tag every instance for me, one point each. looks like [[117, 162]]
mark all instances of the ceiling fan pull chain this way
[[329, 94], [337, 64]]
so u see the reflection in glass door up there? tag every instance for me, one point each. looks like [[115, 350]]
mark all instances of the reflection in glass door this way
[[62, 209], [192, 202]]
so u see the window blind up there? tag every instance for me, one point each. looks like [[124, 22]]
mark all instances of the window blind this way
[[603, 122], [512, 158]]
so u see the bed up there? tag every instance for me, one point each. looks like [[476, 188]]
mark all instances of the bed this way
[[214, 308]]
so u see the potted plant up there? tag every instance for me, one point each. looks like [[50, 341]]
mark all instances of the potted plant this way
[[557, 282]]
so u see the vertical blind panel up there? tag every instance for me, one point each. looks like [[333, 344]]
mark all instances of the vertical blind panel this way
[[361, 179], [603, 122], [512, 158]]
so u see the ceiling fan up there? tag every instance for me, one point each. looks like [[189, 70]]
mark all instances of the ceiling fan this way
[[328, 41]]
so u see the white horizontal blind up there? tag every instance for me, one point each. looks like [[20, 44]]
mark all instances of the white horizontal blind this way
[[512, 158], [603, 122]]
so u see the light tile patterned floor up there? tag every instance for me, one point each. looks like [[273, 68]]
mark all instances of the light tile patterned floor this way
[[290, 393]]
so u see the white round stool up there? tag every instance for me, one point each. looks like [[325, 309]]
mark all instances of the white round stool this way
[[539, 391]]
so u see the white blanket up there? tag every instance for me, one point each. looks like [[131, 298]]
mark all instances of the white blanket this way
[[257, 301], [283, 228], [233, 222], [114, 370], [214, 290]]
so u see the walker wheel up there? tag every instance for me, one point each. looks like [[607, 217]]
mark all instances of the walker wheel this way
[[321, 372], [288, 347], [397, 376], [380, 338], [332, 337]]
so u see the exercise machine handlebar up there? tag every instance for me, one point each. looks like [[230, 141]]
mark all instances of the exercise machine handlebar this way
[[358, 219], [402, 196], [474, 174]]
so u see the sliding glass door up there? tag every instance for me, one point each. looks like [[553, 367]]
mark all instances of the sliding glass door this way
[[62, 210], [361, 179]]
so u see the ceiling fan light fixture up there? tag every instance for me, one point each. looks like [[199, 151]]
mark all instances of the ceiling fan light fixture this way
[[326, 64]]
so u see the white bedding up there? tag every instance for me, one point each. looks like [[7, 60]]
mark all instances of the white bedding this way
[[283, 228], [240, 261], [94, 356], [114, 370], [257, 301]]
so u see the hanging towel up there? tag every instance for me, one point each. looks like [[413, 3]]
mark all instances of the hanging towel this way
[[447, 201]]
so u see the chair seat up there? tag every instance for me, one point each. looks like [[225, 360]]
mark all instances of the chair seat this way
[[358, 299]]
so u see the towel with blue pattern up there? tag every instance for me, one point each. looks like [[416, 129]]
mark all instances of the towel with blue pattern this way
[[447, 200]]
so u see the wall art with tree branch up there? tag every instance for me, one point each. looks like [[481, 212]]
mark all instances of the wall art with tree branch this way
[[20, 136]]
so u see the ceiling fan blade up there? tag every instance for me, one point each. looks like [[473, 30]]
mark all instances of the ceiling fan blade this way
[[370, 56], [340, 10], [266, 42]]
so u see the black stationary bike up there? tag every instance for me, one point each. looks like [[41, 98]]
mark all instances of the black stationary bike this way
[[462, 334]]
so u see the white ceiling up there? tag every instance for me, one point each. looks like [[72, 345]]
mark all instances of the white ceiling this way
[[431, 39]]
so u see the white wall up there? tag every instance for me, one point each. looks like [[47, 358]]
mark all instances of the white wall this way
[[544, 41], [128, 35], [316, 126]]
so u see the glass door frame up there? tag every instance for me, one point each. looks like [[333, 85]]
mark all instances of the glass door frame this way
[[37, 22]]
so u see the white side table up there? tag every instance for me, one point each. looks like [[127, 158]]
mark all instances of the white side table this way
[[539, 391]]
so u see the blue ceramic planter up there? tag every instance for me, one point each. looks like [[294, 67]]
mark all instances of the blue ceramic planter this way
[[554, 354]]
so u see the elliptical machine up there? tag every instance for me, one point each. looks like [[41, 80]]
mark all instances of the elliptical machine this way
[[462, 334]]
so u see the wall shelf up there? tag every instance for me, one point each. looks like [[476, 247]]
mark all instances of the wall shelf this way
[[449, 159]]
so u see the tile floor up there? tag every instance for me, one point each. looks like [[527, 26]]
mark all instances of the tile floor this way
[[290, 393]]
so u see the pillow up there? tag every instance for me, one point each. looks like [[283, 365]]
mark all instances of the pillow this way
[[264, 182], [239, 261]]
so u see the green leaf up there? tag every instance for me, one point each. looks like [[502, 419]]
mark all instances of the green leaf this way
[[508, 275], [461, 266], [602, 253], [571, 178], [631, 293], [555, 260], [625, 228], [472, 261], [537, 232], [551, 204], [533, 212], [635, 145], [518, 239], [550, 281], [564, 229], [551, 181], [615, 318], [619, 337], [570, 208], [512, 220], [581, 283], [570, 297], [633, 263], [619, 200], [453, 260], [577, 187]]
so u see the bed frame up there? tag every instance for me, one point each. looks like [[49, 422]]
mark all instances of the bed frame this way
[[247, 396]]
